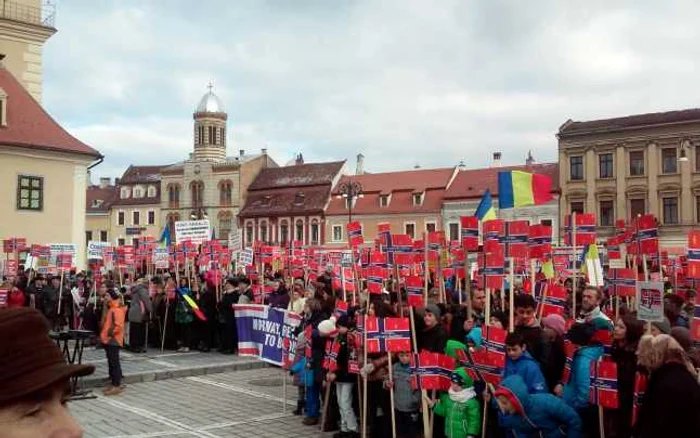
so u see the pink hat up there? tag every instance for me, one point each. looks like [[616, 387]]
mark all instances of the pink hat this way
[[555, 322]]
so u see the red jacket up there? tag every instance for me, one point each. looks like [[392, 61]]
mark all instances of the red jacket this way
[[15, 298]]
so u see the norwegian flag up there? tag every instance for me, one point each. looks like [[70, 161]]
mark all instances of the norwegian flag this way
[[388, 335], [554, 300], [623, 282], [64, 261], [400, 243], [355, 234], [14, 244], [516, 238], [330, 358], [379, 259], [4, 293], [404, 263], [693, 257], [640, 387], [539, 241], [495, 339], [436, 242], [484, 365], [349, 279], [375, 279], [494, 229], [650, 298], [585, 229], [39, 251], [124, 256], [603, 390], [341, 308], [570, 352], [647, 234], [613, 247], [384, 233], [493, 265], [696, 322], [431, 371], [288, 351], [308, 337], [414, 291], [470, 232], [189, 250]]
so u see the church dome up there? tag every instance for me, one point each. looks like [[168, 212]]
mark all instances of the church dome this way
[[210, 103]]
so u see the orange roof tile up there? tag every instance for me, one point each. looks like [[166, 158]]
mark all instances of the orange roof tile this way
[[30, 126]]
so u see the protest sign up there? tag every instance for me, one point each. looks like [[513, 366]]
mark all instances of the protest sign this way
[[245, 257], [11, 268], [650, 298], [196, 232], [60, 248], [262, 331], [94, 251], [4, 293], [161, 258], [234, 241]]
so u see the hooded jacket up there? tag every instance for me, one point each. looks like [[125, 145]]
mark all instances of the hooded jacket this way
[[538, 415], [140, 305], [577, 389], [462, 419], [527, 368], [113, 328]]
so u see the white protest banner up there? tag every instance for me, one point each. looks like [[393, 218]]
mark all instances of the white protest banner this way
[[194, 231], [234, 241], [650, 296], [160, 258], [245, 257], [94, 251], [60, 248]]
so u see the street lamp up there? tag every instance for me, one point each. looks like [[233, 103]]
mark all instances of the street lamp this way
[[350, 191]]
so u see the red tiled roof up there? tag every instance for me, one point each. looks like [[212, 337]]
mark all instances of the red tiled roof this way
[[96, 193], [401, 186], [297, 175], [286, 202], [30, 126], [473, 183], [141, 174], [637, 120]]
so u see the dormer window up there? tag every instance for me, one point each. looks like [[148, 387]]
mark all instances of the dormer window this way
[[299, 198], [125, 192], [3, 108], [383, 200], [97, 203], [138, 192], [266, 201], [418, 198], [151, 191]]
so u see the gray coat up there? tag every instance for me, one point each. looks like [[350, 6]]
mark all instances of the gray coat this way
[[406, 399], [140, 304]]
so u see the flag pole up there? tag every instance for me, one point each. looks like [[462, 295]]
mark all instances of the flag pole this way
[[511, 299], [426, 271], [427, 431], [391, 397], [574, 282]]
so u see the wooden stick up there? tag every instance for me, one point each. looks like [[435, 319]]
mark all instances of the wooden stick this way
[[601, 422], [284, 390], [483, 420], [426, 270], [326, 399], [487, 310], [574, 282], [391, 398], [511, 299], [427, 431], [468, 285]]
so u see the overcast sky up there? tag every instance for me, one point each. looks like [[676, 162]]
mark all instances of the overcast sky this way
[[405, 82]]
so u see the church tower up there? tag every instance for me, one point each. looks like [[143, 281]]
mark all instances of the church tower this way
[[25, 25], [210, 128]]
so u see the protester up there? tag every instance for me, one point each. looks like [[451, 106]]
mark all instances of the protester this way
[[227, 319], [673, 310], [526, 325], [34, 379], [628, 331], [312, 318], [534, 415], [553, 330], [183, 317], [296, 303], [344, 382], [206, 299], [590, 308], [520, 362], [672, 398], [660, 327], [459, 407], [685, 339], [433, 337], [139, 311], [407, 399], [246, 292], [112, 338]]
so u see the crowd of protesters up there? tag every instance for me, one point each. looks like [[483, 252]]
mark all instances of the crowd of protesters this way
[[535, 398]]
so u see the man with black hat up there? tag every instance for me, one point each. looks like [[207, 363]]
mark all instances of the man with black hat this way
[[34, 378]]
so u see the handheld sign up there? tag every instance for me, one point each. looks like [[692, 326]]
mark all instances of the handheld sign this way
[[651, 303], [196, 232]]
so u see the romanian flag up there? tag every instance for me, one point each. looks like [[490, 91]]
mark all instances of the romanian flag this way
[[518, 189], [485, 209], [193, 305]]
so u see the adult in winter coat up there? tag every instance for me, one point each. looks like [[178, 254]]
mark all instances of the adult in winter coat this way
[[672, 398], [312, 318], [139, 310], [535, 415], [460, 407], [112, 338], [628, 331], [227, 318]]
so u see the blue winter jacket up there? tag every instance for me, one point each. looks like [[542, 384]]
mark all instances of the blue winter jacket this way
[[527, 368], [540, 415], [306, 374], [577, 389]]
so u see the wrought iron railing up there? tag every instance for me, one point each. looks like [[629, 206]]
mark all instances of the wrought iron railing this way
[[28, 14]]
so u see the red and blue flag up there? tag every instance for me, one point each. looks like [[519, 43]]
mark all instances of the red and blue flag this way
[[431, 371], [388, 335], [470, 233], [585, 229], [603, 390], [623, 282], [516, 238]]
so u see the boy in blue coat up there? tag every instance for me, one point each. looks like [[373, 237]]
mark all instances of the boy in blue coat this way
[[534, 415], [520, 362]]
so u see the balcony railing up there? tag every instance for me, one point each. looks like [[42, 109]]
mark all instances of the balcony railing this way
[[28, 14]]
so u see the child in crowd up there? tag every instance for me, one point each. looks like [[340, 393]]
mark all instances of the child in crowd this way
[[344, 382], [534, 415], [406, 399], [299, 378], [519, 362], [112, 338], [459, 407]]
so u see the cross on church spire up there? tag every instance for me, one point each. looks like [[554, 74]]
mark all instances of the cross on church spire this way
[[210, 86]]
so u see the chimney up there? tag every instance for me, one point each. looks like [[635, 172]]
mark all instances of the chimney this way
[[360, 169], [299, 159], [417, 166], [241, 152], [116, 181], [263, 151], [461, 166], [496, 159], [104, 182], [530, 160]]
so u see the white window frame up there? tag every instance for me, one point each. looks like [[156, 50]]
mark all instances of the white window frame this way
[[133, 222], [151, 189], [124, 193], [422, 198], [388, 200], [425, 225], [449, 229], [148, 214], [335, 227], [116, 218], [415, 229]]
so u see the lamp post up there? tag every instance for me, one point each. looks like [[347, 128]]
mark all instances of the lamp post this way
[[350, 191]]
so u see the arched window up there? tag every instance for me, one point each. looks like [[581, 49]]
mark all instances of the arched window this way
[[171, 219], [249, 234], [173, 195], [314, 232], [225, 224], [225, 192], [300, 230], [284, 232], [197, 188], [263, 231]]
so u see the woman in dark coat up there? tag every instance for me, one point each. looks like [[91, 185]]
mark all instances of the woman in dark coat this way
[[672, 399], [313, 315], [628, 331]]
